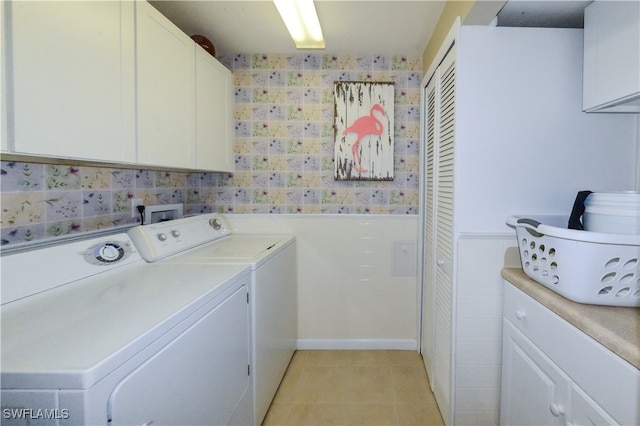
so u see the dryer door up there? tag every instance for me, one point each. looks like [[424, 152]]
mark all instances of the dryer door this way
[[197, 379]]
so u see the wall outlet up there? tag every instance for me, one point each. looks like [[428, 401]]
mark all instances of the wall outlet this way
[[403, 259], [135, 202]]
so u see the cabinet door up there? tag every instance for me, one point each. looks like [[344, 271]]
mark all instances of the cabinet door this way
[[72, 79], [584, 411], [534, 390], [612, 56], [165, 91], [214, 114]]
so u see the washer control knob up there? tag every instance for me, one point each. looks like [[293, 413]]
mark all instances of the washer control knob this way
[[162, 237], [105, 253], [175, 233], [215, 224], [109, 252]]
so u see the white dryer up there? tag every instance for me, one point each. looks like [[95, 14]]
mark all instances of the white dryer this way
[[273, 291], [93, 334]]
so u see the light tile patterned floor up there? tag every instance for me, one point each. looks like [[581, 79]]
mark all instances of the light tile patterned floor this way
[[354, 388]]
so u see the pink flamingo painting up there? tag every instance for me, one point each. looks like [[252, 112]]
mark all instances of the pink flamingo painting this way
[[364, 126]]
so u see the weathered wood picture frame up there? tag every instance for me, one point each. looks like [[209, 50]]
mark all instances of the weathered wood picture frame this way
[[364, 127]]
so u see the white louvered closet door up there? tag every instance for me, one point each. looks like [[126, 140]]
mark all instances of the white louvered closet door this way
[[438, 263], [443, 317], [428, 279]]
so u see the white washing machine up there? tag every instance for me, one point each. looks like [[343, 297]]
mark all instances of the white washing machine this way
[[273, 291], [93, 334]]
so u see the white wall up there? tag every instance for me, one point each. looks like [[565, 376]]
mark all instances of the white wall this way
[[348, 294], [525, 146]]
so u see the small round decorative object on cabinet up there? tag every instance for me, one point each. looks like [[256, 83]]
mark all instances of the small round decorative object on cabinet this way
[[205, 43]]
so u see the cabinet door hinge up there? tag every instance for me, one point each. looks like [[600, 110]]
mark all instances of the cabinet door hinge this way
[[248, 369]]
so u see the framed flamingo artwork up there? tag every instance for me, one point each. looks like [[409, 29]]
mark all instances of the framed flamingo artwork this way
[[363, 130]]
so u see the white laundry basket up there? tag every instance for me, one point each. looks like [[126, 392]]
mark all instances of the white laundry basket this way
[[586, 267]]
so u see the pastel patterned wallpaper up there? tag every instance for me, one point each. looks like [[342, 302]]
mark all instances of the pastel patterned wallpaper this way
[[284, 156], [285, 135], [43, 201]]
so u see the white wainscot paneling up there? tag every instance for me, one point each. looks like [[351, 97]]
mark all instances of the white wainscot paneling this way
[[479, 378], [477, 354], [478, 347], [348, 294]]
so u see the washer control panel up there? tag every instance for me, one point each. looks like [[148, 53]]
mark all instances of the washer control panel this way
[[159, 240], [35, 270]]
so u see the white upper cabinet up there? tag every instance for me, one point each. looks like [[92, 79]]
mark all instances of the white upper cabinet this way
[[185, 99], [113, 82], [165, 63], [612, 56], [214, 114], [70, 87]]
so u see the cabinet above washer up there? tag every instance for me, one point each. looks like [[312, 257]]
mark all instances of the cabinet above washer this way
[[114, 83], [165, 91], [214, 114], [70, 80]]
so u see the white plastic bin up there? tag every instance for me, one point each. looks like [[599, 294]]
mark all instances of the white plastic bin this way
[[612, 212]]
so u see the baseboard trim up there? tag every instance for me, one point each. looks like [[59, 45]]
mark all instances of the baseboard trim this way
[[357, 344]]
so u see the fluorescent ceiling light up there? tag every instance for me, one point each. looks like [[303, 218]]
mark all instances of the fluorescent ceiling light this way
[[301, 20]]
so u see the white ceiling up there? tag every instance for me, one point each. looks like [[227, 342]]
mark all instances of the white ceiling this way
[[358, 27], [350, 26], [539, 13]]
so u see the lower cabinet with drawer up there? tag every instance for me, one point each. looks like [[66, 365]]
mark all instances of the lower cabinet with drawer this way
[[554, 374]]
